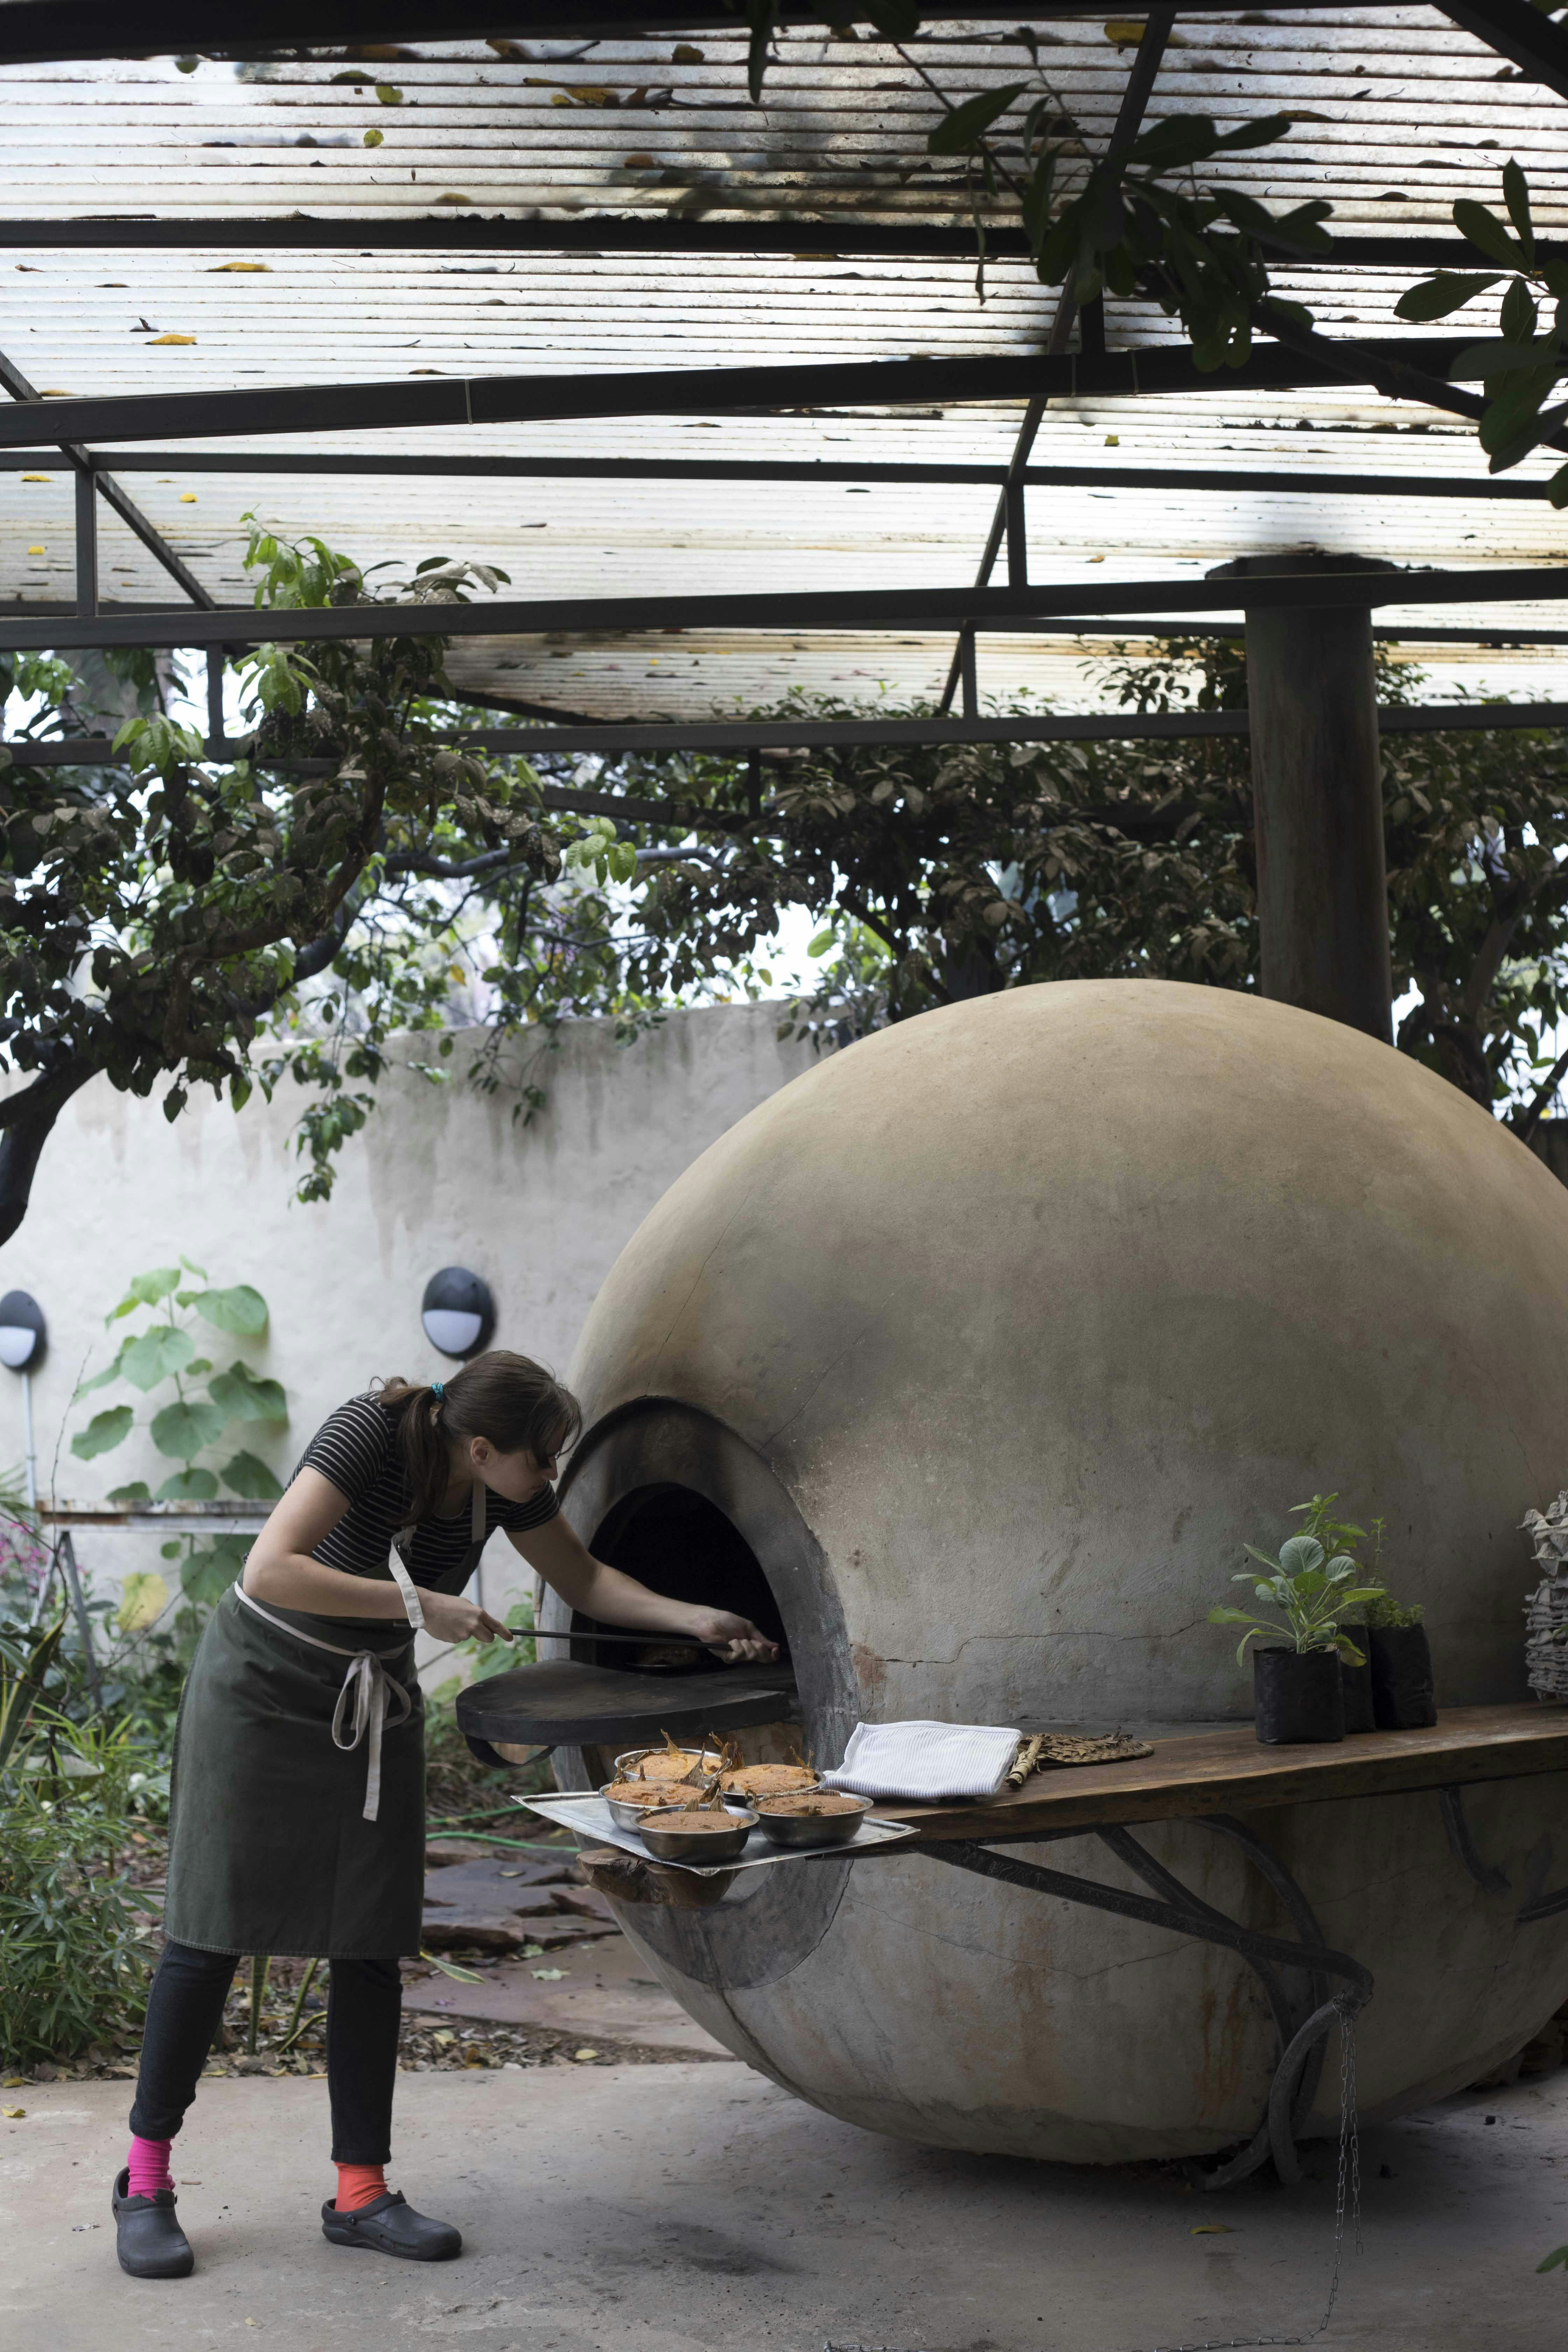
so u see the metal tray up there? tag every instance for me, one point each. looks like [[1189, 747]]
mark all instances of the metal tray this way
[[587, 1816]]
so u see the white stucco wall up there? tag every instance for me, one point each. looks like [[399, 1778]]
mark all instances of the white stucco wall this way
[[440, 1176]]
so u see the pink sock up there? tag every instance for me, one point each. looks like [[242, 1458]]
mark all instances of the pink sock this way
[[148, 2165]]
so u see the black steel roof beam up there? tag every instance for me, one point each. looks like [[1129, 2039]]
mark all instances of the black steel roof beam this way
[[792, 733], [152, 539], [1537, 45], [1009, 520], [1303, 483], [36, 31], [407, 403], [1004, 609], [831, 240]]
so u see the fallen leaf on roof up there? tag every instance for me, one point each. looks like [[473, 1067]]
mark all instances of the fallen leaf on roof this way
[[170, 339], [373, 138], [451, 196], [389, 93], [187, 497], [1212, 2230], [236, 268], [683, 54], [637, 162], [37, 478], [54, 392], [37, 550]]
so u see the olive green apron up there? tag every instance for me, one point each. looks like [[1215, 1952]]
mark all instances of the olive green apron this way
[[297, 1804]]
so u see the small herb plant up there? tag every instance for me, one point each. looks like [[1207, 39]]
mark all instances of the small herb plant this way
[[1313, 1593], [205, 1407], [1386, 1613]]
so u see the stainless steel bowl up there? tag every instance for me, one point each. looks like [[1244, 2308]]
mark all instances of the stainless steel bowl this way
[[625, 1816], [811, 1830], [668, 1841]]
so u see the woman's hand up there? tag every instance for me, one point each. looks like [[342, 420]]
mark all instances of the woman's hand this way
[[450, 1618], [736, 1639]]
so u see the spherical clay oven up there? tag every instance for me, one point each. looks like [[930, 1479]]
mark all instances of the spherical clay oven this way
[[992, 1338]]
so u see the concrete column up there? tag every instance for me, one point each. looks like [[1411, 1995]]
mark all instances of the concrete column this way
[[1322, 892]]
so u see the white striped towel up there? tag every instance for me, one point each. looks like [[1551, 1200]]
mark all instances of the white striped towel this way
[[925, 1760]]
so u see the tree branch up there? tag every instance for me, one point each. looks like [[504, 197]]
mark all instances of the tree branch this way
[[29, 1117]]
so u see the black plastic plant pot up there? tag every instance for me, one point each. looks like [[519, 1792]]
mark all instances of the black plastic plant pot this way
[[1402, 1694], [1298, 1697], [1356, 1682]]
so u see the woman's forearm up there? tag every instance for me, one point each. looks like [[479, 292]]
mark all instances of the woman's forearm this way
[[292, 1580], [618, 1600]]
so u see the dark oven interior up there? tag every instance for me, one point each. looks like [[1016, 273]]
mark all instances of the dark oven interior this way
[[678, 1543]]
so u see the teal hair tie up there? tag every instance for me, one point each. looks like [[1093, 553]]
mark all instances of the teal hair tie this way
[[438, 1390]]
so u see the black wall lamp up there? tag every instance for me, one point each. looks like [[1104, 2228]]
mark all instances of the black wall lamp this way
[[23, 1338], [458, 1312]]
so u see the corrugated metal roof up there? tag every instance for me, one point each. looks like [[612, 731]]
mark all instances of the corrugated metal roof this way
[[1407, 111]]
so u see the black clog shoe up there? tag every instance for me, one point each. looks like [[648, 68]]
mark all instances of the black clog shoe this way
[[148, 2239], [391, 2226]]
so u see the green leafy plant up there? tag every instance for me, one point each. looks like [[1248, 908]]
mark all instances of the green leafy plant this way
[[209, 1409], [1313, 1592], [75, 1944], [1520, 367], [1386, 1613]]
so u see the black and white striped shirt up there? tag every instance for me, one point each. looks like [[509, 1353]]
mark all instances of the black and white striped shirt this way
[[356, 1448]]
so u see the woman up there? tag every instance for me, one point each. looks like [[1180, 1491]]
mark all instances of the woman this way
[[298, 1820]]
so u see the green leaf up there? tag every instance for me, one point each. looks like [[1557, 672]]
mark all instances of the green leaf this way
[[143, 1598], [967, 124], [1495, 357], [1555, 2260], [243, 1397], [1537, 427], [155, 1356], [182, 1429], [821, 943], [1170, 145], [206, 1576], [188, 1487], [1557, 488], [240, 1309], [100, 1379], [1449, 290], [1230, 1617], [1518, 316], [248, 1476], [103, 1432], [1259, 134], [1483, 228], [1516, 195], [137, 1491], [146, 1290]]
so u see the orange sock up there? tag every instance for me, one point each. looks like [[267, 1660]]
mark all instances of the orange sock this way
[[359, 2184]]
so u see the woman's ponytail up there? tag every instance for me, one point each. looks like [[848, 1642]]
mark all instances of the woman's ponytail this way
[[509, 1400]]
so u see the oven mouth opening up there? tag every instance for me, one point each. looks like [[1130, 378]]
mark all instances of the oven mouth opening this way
[[679, 1544]]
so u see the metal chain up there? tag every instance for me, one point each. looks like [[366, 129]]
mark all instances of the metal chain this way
[[1347, 2195]]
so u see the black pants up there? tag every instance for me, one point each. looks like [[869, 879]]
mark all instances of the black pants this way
[[183, 2012]]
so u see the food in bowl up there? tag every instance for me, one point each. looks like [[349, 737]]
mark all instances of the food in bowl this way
[[754, 1781], [668, 1764], [635, 1792], [808, 1804]]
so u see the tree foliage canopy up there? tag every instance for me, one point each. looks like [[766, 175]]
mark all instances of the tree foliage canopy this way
[[180, 921]]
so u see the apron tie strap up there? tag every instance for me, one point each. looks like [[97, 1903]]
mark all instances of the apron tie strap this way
[[364, 1700]]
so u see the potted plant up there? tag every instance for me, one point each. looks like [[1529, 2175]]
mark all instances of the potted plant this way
[[1339, 1538], [1402, 1697], [1297, 1693]]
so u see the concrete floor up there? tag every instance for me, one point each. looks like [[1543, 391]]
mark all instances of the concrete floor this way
[[695, 2209]]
